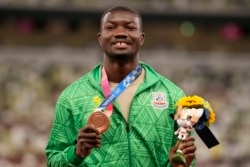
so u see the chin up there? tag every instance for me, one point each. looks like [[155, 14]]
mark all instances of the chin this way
[[120, 55]]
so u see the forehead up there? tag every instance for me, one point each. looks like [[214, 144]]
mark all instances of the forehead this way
[[121, 16]]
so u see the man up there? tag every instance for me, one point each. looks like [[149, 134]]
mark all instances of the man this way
[[140, 131]]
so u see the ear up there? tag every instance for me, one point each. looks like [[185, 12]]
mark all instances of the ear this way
[[142, 38], [100, 39], [199, 112]]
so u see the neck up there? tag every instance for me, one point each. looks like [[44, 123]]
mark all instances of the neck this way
[[116, 71]]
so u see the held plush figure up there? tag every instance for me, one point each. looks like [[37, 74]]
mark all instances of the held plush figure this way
[[193, 112], [186, 118]]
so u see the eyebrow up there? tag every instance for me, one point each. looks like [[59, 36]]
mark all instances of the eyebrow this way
[[113, 22]]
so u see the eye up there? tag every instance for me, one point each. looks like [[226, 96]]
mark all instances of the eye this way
[[131, 27], [189, 117], [109, 27]]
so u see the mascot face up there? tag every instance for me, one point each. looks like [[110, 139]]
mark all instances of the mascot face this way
[[187, 117]]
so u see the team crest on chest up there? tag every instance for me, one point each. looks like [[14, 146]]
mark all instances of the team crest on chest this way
[[159, 100]]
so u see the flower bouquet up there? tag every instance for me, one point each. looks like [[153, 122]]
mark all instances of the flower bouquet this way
[[193, 112]]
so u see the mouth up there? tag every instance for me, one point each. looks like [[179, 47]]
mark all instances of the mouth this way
[[121, 44]]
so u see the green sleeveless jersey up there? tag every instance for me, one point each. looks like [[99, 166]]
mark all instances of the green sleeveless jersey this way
[[143, 141]]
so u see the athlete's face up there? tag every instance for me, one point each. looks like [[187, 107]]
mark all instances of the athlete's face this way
[[120, 34]]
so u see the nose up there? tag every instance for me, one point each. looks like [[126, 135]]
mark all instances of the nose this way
[[120, 33]]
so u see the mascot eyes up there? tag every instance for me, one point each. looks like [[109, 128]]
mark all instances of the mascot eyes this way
[[189, 117]]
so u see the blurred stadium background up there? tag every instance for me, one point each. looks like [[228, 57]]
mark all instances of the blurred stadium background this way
[[201, 45]]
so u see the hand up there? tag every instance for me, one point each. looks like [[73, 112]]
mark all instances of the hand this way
[[188, 148], [88, 138]]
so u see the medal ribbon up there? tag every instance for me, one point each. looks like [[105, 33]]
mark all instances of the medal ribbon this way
[[110, 97], [106, 89]]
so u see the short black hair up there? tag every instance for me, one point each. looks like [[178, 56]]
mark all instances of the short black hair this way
[[123, 8]]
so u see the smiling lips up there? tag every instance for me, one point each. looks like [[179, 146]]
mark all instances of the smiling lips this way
[[121, 44]]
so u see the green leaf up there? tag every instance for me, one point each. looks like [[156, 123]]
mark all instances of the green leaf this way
[[179, 158]]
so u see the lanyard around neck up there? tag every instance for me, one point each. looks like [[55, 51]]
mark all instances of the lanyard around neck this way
[[111, 96]]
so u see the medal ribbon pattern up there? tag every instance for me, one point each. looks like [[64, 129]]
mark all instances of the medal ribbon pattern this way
[[110, 97]]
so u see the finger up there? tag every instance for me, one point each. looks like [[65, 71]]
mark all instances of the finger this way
[[94, 136], [89, 132], [188, 147], [188, 143], [189, 138], [88, 145], [189, 150], [92, 142], [90, 129]]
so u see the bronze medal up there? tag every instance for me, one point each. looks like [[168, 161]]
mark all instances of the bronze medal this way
[[99, 120]]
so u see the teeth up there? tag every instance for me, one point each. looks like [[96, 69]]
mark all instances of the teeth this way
[[121, 44]]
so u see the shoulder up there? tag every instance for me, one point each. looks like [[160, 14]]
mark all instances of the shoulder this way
[[88, 81]]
